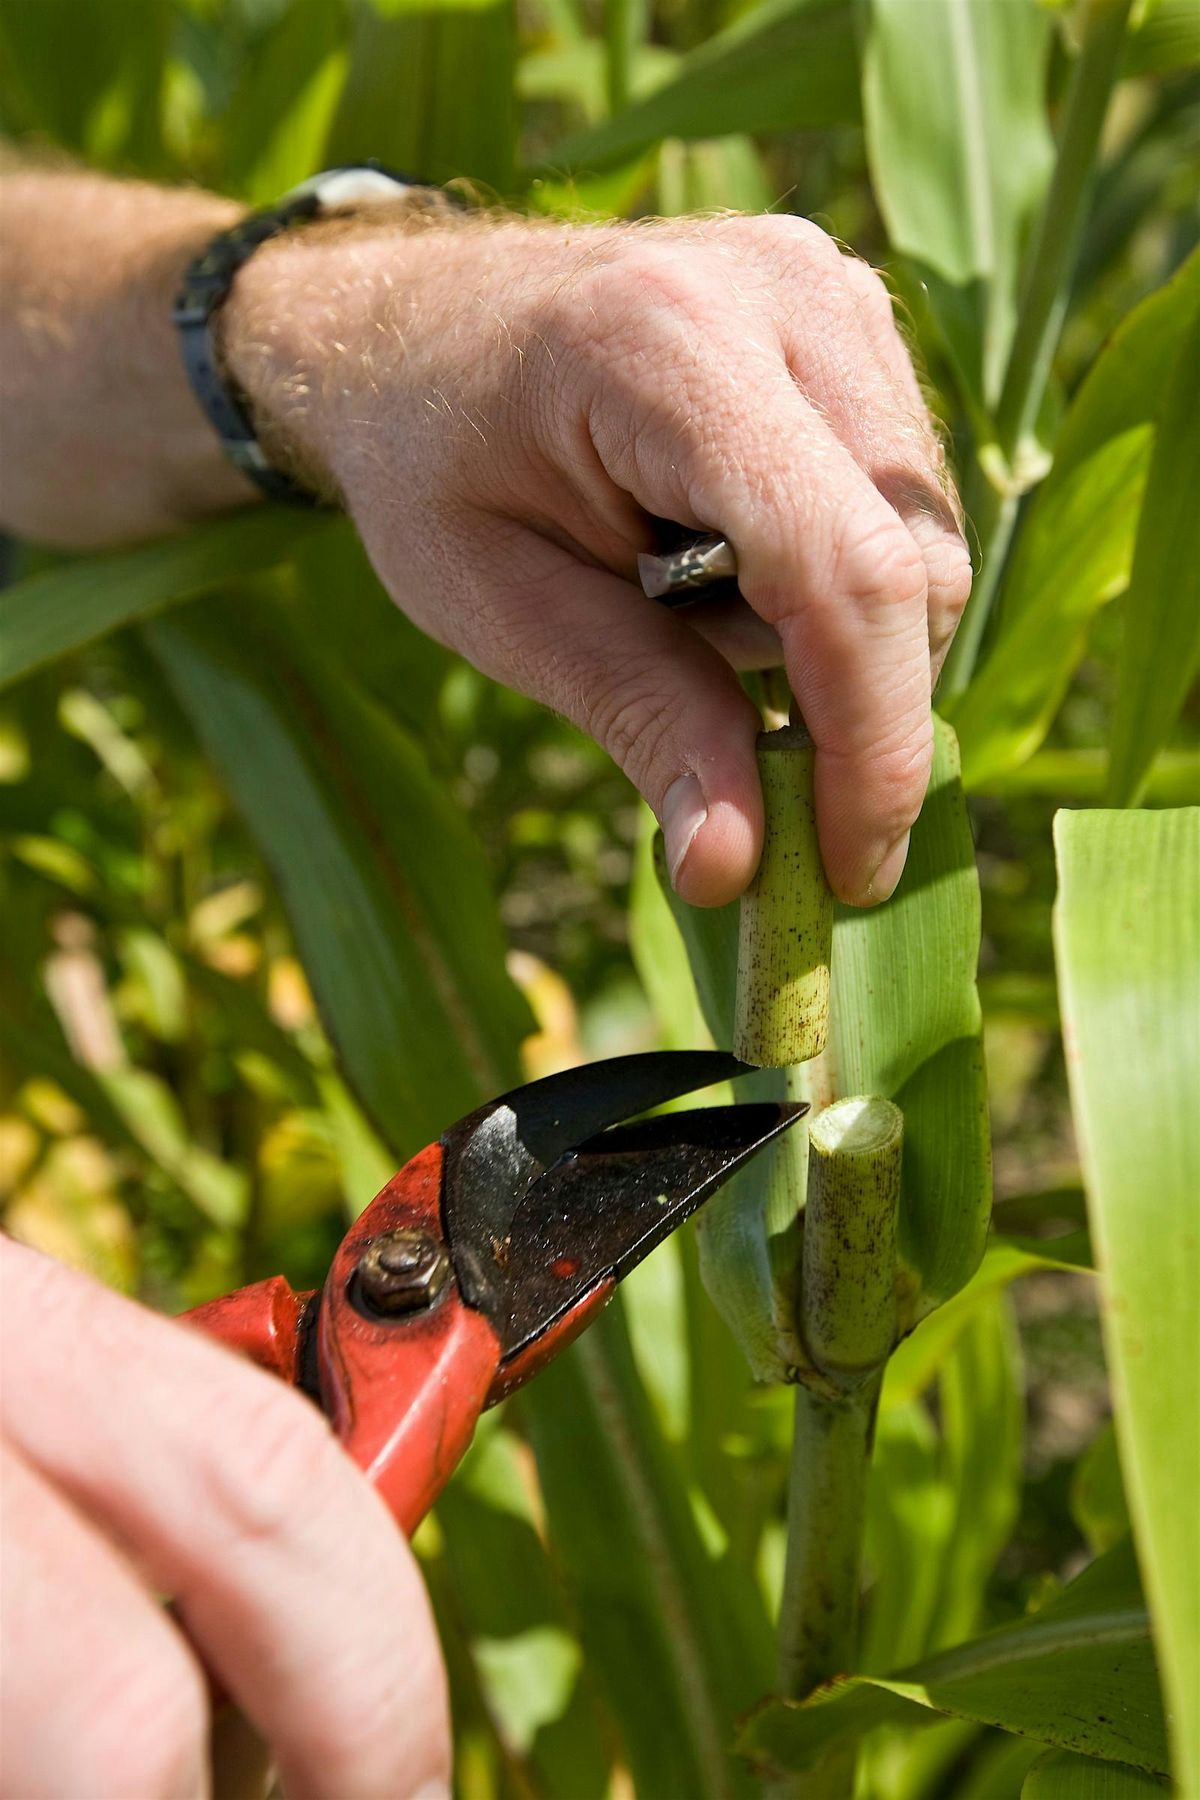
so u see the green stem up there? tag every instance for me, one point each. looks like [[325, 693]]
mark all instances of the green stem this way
[[1043, 304], [831, 1455], [622, 32]]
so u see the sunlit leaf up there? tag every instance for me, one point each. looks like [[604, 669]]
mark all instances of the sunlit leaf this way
[[1160, 614], [1079, 1675], [960, 153], [1127, 938], [782, 64], [1076, 546]]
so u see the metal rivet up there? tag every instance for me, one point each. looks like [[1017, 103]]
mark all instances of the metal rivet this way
[[403, 1272]]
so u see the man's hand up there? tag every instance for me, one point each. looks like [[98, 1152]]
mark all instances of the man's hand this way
[[504, 407], [137, 1460]]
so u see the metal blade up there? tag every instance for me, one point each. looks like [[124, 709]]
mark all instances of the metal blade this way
[[493, 1154], [604, 1206]]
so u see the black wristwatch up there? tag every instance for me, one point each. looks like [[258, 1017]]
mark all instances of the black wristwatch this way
[[206, 287]]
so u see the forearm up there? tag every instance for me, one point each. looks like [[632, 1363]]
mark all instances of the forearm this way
[[103, 440]]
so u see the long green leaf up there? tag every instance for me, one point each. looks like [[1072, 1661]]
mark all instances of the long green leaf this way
[[1160, 614], [1060, 1775], [942, 1506], [960, 153], [783, 65], [281, 111], [1167, 39], [1079, 1675], [51, 614], [383, 882], [1076, 545], [88, 75], [430, 90], [677, 1640], [1127, 938]]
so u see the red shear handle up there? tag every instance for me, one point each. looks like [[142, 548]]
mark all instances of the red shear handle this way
[[403, 1390]]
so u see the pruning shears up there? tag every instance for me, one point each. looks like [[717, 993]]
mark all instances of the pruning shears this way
[[489, 1252]]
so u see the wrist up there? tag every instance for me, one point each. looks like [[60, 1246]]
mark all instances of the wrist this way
[[310, 317]]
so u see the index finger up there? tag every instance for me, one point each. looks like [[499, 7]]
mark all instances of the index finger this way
[[829, 563], [287, 1570]]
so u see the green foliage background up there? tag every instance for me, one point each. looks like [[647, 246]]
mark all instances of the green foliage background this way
[[285, 887]]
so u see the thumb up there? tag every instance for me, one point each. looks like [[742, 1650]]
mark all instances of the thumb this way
[[661, 701]]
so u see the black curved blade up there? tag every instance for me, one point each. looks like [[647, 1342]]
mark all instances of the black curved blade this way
[[605, 1205], [493, 1154]]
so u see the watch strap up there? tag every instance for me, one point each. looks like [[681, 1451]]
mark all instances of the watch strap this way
[[207, 284]]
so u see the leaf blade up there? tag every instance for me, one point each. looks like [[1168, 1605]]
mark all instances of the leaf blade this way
[[1127, 937]]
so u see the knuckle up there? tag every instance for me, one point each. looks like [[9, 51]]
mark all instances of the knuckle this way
[[794, 236], [876, 560], [634, 720], [951, 574], [899, 776], [871, 291]]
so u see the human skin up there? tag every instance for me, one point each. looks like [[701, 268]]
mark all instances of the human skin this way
[[503, 407], [139, 1459]]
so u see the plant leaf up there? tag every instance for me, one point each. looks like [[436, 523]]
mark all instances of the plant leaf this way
[[62, 609], [1167, 39], [675, 1637], [429, 90], [383, 882], [1076, 544], [1098, 1504], [960, 153], [1079, 1675], [290, 87], [782, 65], [916, 1361], [942, 1506], [1127, 941], [1160, 613], [1061, 1775]]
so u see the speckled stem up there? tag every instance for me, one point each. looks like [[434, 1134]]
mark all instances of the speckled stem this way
[[848, 1305], [831, 1455], [786, 925]]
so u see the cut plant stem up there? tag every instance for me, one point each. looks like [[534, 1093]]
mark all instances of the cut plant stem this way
[[848, 1325], [831, 1455], [786, 924], [848, 1306]]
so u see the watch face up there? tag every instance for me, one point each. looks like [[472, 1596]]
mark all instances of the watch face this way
[[348, 187]]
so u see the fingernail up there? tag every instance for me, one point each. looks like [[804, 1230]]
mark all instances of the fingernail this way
[[684, 810], [888, 872], [432, 1790]]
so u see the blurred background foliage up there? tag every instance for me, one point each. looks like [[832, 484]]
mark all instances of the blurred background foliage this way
[[286, 887]]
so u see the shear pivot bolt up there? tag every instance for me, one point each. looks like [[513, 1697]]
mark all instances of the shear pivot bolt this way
[[403, 1272]]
